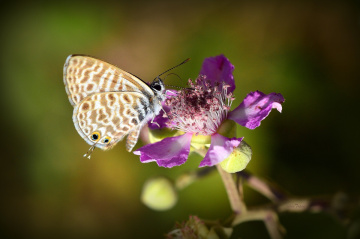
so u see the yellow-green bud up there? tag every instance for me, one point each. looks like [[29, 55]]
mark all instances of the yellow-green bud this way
[[159, 194], [238, 159]]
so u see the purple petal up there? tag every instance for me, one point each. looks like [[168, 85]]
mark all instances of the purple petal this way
[[221, 147], [218, 69], [160, 120], [255, 107], [168, 152]]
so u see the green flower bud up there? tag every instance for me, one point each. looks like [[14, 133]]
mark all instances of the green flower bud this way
[[159, 194], [238, 159]]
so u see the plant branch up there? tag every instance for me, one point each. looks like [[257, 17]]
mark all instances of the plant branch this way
[[236, 203], [265, 188]]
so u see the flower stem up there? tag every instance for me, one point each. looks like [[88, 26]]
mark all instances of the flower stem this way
[[268, 216], [235, 201], [270, 191], [188, 178]]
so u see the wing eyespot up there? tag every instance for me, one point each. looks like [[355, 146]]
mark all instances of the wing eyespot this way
[[107, 140], [95, 136]]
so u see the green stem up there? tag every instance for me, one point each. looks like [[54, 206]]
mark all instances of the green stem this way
[[236, 202]]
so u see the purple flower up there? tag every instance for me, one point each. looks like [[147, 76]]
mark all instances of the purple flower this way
[[201, 110]]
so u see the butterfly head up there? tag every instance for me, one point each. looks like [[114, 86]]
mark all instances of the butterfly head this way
[[158, 88]]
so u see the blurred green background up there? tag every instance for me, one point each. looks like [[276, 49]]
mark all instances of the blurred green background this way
[[307, 51]]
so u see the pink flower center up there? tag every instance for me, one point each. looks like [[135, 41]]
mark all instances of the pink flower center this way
[[201, 108]]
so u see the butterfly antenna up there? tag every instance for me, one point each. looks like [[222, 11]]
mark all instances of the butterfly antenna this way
[[175, 75], [175, 86], [188, 59], [172, 74]]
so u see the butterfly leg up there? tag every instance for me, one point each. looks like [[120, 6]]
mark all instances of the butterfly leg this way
[[165, 114], [152, 121], [132, 139], [89, 152]]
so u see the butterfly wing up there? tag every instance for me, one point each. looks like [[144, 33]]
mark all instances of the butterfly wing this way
[[103, 119], [85, 75], [132, 138]]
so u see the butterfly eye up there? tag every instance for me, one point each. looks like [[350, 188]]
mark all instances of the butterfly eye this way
[[95, 136], [157, 87], [107, 140]]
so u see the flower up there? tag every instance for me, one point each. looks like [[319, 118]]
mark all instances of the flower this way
[[204, 110]]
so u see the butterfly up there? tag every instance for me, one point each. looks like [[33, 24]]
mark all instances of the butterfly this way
[[110, 103]]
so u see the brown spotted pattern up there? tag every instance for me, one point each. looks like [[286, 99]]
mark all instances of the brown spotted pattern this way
[[84, 75], [106, 100], [113, 118]]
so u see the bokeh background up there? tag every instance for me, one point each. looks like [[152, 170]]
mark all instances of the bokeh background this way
[[308, 51]]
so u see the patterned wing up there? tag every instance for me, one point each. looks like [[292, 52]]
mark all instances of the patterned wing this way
[[84, 75], [132, 138], [103, 119]]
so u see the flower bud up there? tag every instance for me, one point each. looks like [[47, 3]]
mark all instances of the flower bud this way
[[159, 194], [238, 159], [197, 228]]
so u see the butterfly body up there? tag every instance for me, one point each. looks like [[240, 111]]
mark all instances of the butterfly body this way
[[109, 103]]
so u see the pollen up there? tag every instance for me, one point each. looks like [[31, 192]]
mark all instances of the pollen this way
[[201, 108]]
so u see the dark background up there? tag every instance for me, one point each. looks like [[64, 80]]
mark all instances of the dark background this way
[[307, 51]]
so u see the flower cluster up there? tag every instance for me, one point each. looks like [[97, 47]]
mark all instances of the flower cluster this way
[[204, 110], [199, 109]]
